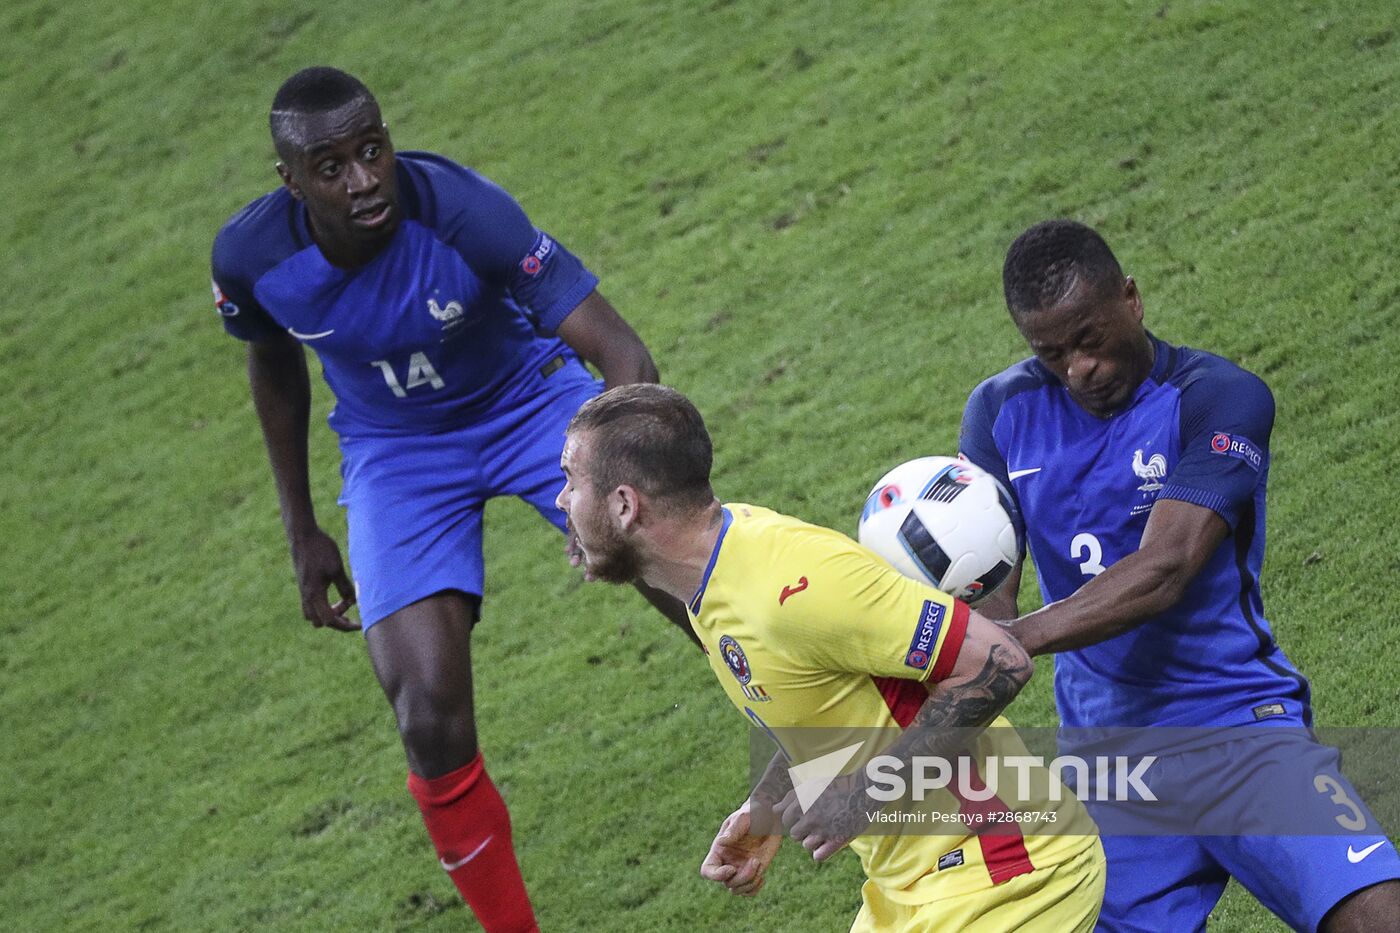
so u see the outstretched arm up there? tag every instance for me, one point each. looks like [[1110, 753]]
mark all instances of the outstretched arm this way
[[1001, 605], [1176, 544], [598, 333], [281, 390]]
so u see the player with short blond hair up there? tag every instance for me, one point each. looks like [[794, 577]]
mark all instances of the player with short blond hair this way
[[806, 630]]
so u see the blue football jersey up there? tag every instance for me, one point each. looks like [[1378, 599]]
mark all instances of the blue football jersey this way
[[1196, 430], [440, 329]]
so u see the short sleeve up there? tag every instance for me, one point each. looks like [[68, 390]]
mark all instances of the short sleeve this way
[[494, 236], [859, 615], [240, 312], [975, 441], [977, 444], [1227, 417]]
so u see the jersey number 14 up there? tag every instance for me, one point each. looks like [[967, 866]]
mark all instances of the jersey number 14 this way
[[420, 373]]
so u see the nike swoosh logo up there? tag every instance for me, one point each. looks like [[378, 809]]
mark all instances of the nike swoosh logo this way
[[301, 336], [1017, 474], [1354, 856], [453, 866]]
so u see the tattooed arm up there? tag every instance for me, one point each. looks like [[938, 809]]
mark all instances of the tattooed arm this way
[[992, 668]]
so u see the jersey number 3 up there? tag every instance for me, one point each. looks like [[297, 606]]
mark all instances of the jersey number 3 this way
[[420, 373], [1088, 546]]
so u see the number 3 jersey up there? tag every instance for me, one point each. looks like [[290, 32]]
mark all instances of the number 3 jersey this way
[[1197, 430], [442, 328]]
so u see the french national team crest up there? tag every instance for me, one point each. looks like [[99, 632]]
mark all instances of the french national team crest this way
[[452, 317], [1151, 471], [736, 661]]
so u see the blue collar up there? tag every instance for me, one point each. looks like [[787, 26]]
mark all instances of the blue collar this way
[[710, 567]]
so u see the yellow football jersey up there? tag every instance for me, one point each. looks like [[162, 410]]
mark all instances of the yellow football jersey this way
[[805, 628]]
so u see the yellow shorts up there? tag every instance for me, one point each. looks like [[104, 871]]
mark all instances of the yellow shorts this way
[[1063, 898]]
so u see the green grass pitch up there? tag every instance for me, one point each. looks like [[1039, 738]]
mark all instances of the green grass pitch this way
[[803, 208]]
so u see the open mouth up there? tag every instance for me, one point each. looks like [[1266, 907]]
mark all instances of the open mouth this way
[[371, 217]]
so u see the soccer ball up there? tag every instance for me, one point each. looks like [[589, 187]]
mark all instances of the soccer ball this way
[[943, 521]]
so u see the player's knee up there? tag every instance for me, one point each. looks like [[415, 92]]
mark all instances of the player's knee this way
[[436, 741], [436, 722]]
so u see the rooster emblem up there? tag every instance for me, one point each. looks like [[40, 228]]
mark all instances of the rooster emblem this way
[[1151, 472], [450, 313]]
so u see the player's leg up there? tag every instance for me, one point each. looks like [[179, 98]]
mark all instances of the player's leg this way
[[1374, 908], [414, 510], [1344, 874], [422, 657], [1158, 883]]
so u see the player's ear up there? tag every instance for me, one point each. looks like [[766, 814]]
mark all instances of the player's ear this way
[[286, 175], [1133, 297], [624, 504]]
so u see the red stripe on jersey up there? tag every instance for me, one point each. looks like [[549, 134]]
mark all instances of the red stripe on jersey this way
[[903, 697], [952, 643], [1003, 847]]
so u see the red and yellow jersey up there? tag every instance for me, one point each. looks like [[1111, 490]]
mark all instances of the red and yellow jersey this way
[[806, 628]]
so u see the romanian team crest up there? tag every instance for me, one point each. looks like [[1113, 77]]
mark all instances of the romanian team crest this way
[[734, 658]]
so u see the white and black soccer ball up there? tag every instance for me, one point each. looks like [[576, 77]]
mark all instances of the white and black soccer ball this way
[[945, 522]]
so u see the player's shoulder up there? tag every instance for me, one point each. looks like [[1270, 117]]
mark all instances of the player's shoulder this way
[[779, 545], [440, 188], [257, 237], [1027, 376], [1201, 373], [758, 522]]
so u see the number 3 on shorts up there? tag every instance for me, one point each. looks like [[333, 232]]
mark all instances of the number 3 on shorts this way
[[1352, 819]]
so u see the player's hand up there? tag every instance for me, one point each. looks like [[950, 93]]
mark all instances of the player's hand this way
[[837, 817], [316, 558], [574, 551], [738, 859]]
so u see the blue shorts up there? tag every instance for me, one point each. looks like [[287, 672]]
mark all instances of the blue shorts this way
[[415, 502], [1172, 882]]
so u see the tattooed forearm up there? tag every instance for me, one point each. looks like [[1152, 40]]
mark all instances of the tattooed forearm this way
[[978, 701], [775, 783], [956, 713]]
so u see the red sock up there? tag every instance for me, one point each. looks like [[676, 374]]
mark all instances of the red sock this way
[[470, 829]]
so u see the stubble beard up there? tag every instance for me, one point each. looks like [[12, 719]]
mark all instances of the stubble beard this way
[[611, 557]]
